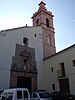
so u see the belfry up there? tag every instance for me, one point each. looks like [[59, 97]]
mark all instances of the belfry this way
[[44, 19]]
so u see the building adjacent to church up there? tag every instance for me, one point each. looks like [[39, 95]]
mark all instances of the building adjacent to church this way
[[15, 66], [60, 71]]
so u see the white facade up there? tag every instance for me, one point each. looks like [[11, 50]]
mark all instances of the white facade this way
[[41, 37], [8, 40], [53, 70]]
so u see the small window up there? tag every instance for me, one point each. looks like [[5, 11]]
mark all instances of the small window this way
[[51, 69], [25, 94], [73, 62], [25, 40], [19, 94], [53, 86], [35, 35]]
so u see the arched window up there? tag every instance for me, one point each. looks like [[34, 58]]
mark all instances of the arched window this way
[[47, 22]]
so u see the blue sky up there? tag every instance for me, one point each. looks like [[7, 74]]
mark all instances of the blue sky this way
[[17, 13]]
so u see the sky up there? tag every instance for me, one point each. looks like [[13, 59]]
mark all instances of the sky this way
[[18, 13]]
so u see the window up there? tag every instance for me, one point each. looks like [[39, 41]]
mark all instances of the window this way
[[73, 62], [35, 35], [44, 95], [25, 94], [37, 22], [35, 95], [53, 86], [51, 69], [25, 40], [47, 22], [7, 96], [4, 95], [19, 94]]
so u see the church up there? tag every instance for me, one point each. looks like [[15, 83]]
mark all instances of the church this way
[[28, 57], [23, 49]]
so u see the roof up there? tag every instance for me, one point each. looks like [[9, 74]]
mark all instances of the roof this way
[[41, 3], [14, 89], [18, 28], [60, 51]]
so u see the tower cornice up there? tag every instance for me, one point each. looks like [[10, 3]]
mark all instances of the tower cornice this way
[[39, 11], [43, 9]]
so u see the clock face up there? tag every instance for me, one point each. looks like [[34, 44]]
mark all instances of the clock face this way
[[40, 35]]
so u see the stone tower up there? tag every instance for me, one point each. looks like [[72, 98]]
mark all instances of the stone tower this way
[[44, 19]]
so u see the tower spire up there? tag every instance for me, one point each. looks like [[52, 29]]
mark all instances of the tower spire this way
[[42, 5]]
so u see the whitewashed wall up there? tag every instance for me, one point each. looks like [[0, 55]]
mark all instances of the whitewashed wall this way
[[8, 40]]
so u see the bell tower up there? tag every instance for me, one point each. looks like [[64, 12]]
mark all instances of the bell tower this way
[[44, 19]]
